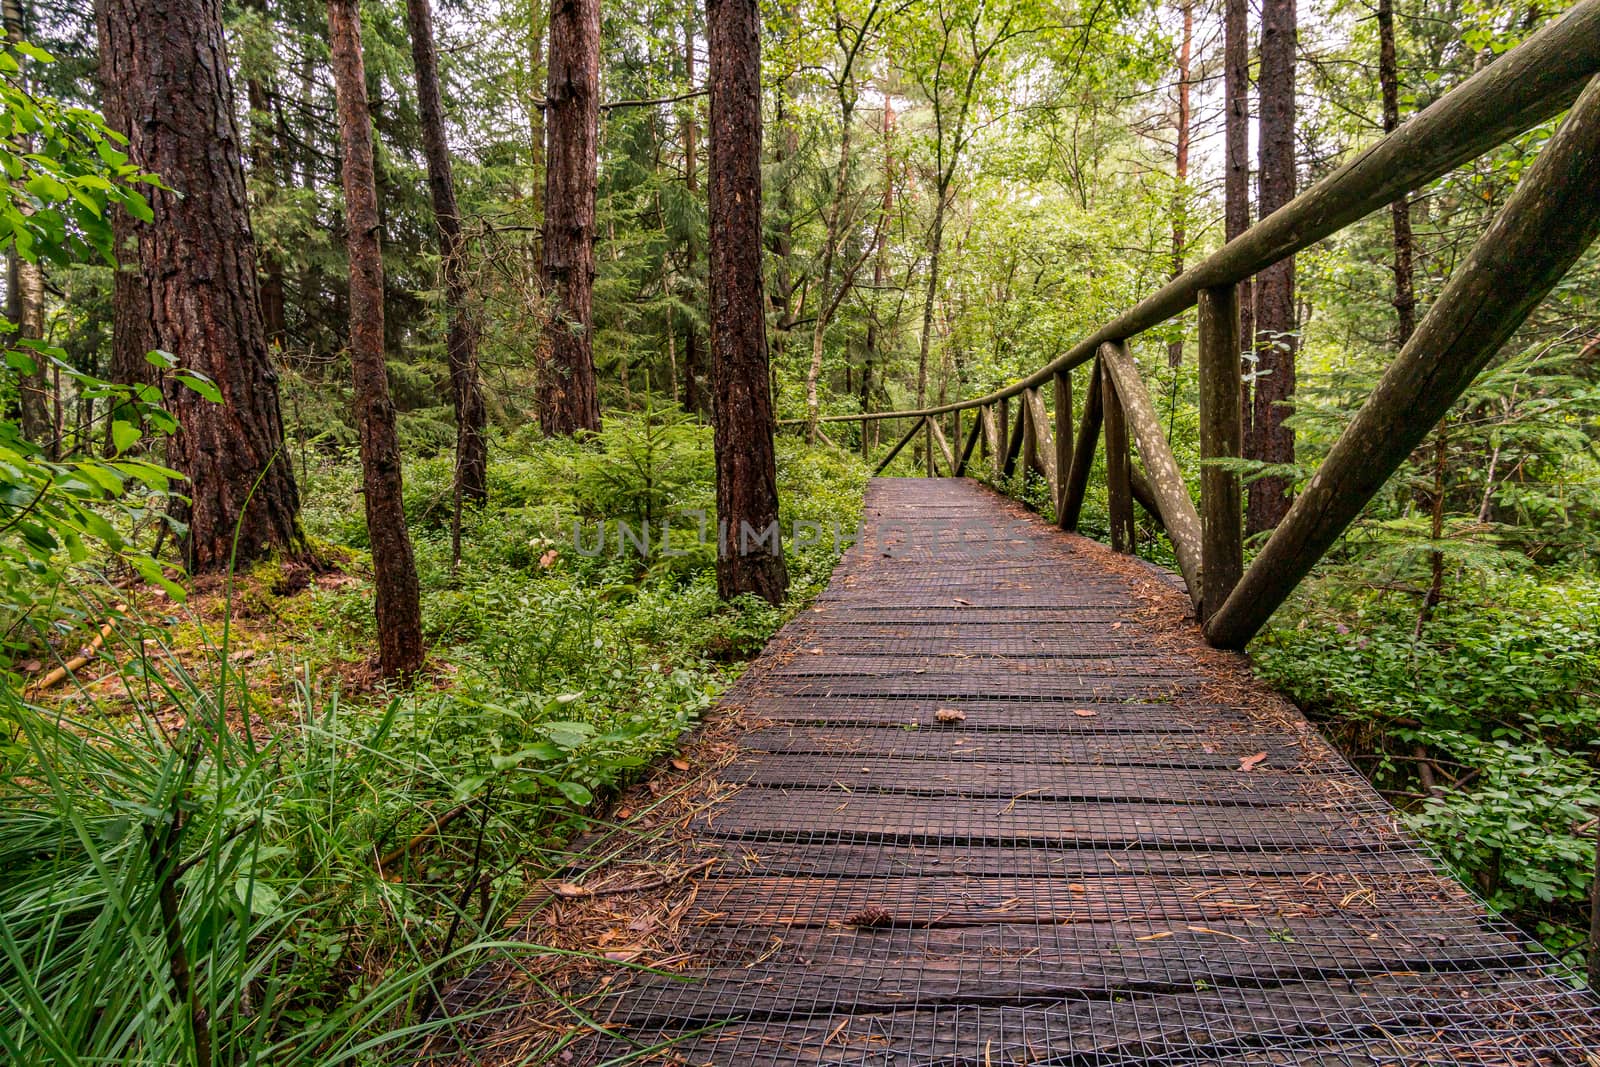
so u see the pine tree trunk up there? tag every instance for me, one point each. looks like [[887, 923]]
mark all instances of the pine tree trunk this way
[[198, 258], [696, 396], [1236, 179], [461, 338], [1180, 167], [1276, 336], [394, 570], [131, 337], [568, 396], [747, 489]]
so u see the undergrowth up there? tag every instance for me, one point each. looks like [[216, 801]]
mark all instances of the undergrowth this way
[[220, 843]]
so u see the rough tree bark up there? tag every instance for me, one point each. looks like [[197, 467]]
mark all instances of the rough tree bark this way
[[1271, 441], [569, 400], [747, 480], [198, 259], [1180, 167], [1236, 179], [131, 337], [394, 570], [461, 338]]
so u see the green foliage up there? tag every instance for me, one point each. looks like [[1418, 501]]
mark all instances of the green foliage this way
[[1499, 692]]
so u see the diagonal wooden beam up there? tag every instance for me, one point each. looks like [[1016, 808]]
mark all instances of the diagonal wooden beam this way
[[972, 439], [1178, 512], [895, 451], [1014, 443], [1082, 454]]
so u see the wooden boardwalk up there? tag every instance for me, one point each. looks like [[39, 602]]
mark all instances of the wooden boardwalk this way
[[1118, 849]]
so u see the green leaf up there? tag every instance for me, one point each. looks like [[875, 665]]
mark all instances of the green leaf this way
[[124, 435]]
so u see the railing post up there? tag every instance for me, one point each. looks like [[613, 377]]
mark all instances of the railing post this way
[[1063, 384], [1119, 494], [1222, 538]]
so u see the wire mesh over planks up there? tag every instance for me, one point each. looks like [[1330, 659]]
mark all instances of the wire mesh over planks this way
[[994, 814]]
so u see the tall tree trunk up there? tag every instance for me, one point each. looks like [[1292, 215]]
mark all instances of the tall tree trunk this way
[[131, 336], [461, 338], [198, 258], [696, 397], [747, 478], [1405, 298], [1180, 167], [394, 571], [265, 168], [25, 284], [569, 400], [1236, 178], [1276, 329]]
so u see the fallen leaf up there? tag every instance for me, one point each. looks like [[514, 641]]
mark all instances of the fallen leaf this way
[[643, 925], [244, 655], [949, 715], [570, 891], [1074, 887], [968, 603], [680, 764], [1085, 713], [623, 955], [624, 814], [1116, 626], [1247, 763]]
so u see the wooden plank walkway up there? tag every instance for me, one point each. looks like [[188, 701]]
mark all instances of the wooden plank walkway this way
[[1123, 850]]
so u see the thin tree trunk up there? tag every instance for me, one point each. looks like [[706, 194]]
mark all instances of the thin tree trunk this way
[[880, 253], [394, 570], [198, 257], [1180, 167], [825, 302], [935, 248], [461, 339], [1405, 299], [1236, 179], [1276, 328], [747, 490], [569, 400]]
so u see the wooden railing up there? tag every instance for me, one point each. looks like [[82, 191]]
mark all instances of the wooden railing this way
[[1551, 218]]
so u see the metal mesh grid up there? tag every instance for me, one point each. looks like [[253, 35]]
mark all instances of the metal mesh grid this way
[[1077, 871]]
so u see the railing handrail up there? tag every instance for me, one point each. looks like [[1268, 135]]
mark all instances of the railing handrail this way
[[1535, 81]]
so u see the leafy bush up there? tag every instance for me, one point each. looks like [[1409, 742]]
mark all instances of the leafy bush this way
[[1500, 693]]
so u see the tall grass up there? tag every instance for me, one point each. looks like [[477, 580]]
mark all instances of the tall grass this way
[[198, 893]]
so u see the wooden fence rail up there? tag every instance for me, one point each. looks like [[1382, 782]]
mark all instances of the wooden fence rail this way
[[1551, 218]]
